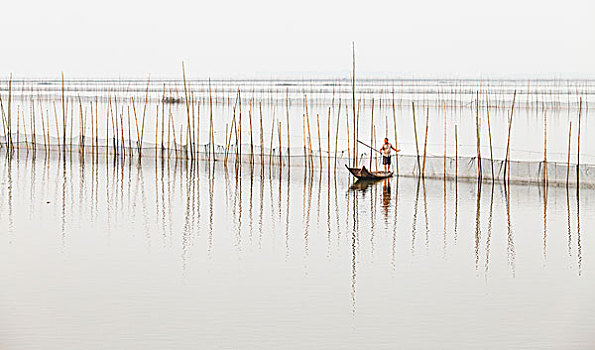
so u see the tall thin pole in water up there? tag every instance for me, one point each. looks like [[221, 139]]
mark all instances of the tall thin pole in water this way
[[416, 142], [261, 137], [280, 145], [287, 124], [304, 139], [578, 143], [568, 161], [395, 130], [5, 126], [490, 135], [545, 147], [337, 133], [478, 137], [211, 141], [444, 159], [371, 133], [423, 172], [456, 154], [328, 141], [187, 101], [319, 140], [63, 116], [251, 139], [507, 159], [9, 112], [347, 133], [354, 163]]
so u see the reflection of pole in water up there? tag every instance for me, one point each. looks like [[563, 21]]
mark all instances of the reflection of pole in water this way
[[211, 181], [250, 205], [261, 206], [328, 210], [354, 250], [510, 246], [394, 244], [63, 204], [287, 212], [478, 223], [308, 194], [414, 223], [578, 232], [426, 223], [456, 218], [444, 198], [545, 194], [488, 240], [568, 218]]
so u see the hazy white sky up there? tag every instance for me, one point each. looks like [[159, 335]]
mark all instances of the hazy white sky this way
[[304, 38]]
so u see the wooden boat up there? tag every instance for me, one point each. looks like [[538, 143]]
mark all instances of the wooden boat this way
[[365, 174]]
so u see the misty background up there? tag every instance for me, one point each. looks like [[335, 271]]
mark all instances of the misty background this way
[[299, 39]]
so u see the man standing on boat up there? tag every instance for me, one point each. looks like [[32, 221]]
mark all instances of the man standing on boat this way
[[385, 151]]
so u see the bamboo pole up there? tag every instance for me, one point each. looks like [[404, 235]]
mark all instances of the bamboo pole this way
[[478, 138], [423, 172], [163, 121], [395, 133], [280, 144], [211, 131], [337, 133], [18, 127], [490, 135], [444, 139], [251, 140], [156, 129], [287, 125], [4, 124], [271, 143], [33, 127], [81, 128], [568, 160], [354, 163], [347, 128], [415, 133], [9, 113], [142, 131], [578, 143], [371, 132], [187, 102], [239, 148], [328, 141], [456, 154], [507, 159], [92, 129], [310, 156], [45, 142], [198, 104], [169, 126], [306, 164], [261, 134], [63, 115], [138, 142], [57, 127], [545, 175], [319, 141]]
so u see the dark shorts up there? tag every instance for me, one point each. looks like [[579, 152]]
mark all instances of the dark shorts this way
[[385, 160]]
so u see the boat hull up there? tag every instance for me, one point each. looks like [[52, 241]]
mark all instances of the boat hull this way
[[363, 173]]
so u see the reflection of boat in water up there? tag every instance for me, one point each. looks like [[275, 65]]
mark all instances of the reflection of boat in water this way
[[363, 184], [363, 173]]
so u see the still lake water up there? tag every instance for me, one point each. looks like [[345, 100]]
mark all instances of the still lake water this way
[[97, 255]]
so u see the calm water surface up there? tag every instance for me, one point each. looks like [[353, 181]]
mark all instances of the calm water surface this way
[[104, 255]]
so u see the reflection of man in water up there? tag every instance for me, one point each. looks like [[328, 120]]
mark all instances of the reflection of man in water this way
[[386, 196], [385, 150]]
